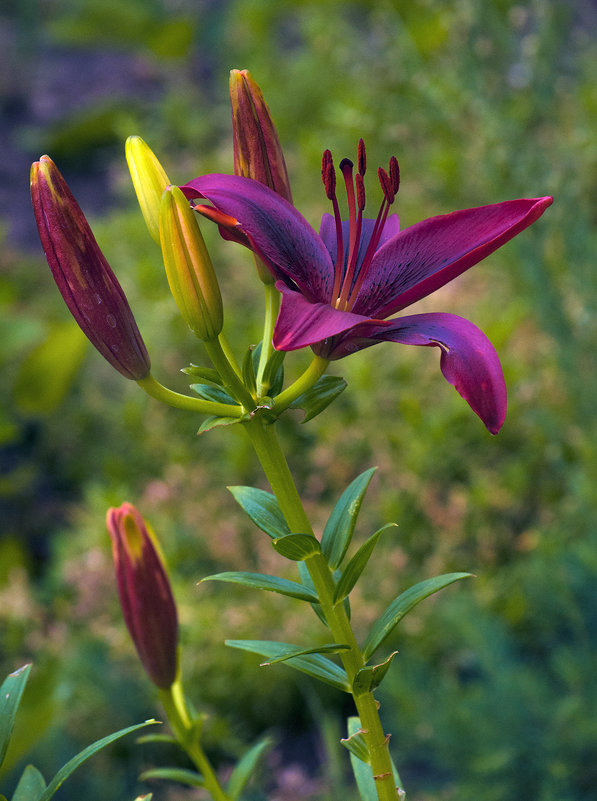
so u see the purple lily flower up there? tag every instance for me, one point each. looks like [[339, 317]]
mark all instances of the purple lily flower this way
[[339, 287]]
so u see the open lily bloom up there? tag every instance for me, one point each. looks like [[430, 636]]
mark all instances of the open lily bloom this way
[[339, 287]]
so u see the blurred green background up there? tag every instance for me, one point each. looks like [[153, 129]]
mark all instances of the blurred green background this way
[[493, 696]]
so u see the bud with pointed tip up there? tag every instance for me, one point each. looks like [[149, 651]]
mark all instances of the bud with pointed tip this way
[[257, 150], [145, 595], [191, 276], [149, 179], [83, 276]]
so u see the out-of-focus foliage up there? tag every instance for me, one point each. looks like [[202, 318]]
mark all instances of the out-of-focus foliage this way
[[491, 695]]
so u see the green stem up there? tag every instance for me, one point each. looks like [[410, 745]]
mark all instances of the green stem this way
[[232, 381], [304, 382], [187, 734], [227, 350], [275, 467], [272, 305], [186, 402]]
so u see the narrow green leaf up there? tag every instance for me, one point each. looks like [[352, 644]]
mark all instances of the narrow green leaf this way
[[262, 581], [362, 771], [206, 373], [371, 676], [31, 785], [297, 547], [248, 370], [401, 605], [357, 745], [340, 526], [245, 767], [319, 397], [211, 393], [330, 648], [352, 571], [263, 509], [92, 749], [213, 421], [11, 692], [156, 738], [314, 665], [180, 775], [273, 375]]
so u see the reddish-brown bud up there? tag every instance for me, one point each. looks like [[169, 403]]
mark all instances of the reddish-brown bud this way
[[257, 150], [83, 276], [146, 599]]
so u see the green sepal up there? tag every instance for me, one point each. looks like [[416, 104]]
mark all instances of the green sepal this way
[[357, 745], [212, 393], [31, 785], [245, 767], [11, 692], [315, 665], [77, 760], [297, 547], [213, 421], [319, 396], [248, 370], [206, 373], [263, 509], [340, 526], [330, 648], [371, 676], [401, 605], [262, 581], [352, 571], [181, 775]]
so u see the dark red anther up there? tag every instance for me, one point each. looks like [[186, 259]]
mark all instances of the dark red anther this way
[[394, 174], [360, 189], [328, 174], [386, 184], [362, 160]]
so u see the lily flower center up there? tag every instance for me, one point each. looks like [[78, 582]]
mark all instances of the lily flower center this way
[[352, 265]]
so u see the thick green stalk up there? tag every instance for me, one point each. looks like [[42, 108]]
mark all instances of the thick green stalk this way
[[275, 466], [162, 393], [174, 703]]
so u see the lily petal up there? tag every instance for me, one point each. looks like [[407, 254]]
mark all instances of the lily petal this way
[[468, 359], [301, 323], [277, 232], [431, 253]]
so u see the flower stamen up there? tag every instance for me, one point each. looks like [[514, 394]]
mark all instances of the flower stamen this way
[[328, 174]]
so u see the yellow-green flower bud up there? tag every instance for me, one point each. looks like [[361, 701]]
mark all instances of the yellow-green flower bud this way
[[149, 180], [191, 276]]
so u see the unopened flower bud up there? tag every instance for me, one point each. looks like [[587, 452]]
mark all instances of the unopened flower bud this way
[[257, 150], [87, 284], [145, 595], [149, 179], [191, 276]]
